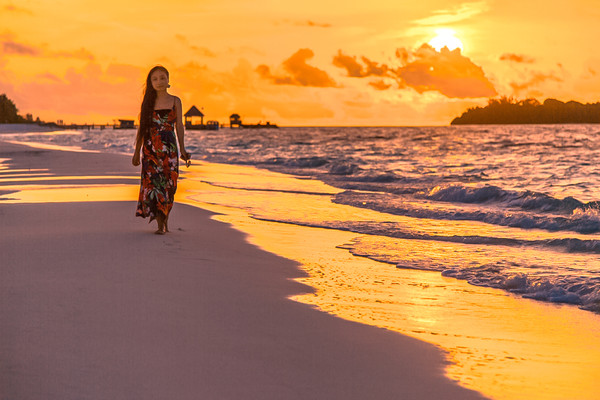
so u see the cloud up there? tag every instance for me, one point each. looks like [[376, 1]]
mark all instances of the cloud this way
[[460, 13], [81, 54], [14, 9], [363, 69], [536, 79], [94, 93], [312, 24], [79, 93], [353, 67], [425, 69], [403, 55], [201, 51], [358, 70], [380, 85], [317, 24], [448, 72], [11, 46], [518, 58], [298, 109], [307, 23], [242, 91], [299, 73], [586, 86], [375, 69], [49, 77]]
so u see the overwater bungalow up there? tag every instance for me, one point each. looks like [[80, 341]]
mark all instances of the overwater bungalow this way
[[125, 124], [235, 121], [192, 113]]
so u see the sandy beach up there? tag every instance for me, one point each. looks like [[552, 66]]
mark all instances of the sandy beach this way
[[95, 306]]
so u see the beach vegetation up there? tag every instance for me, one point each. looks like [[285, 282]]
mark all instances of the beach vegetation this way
[[9, 114], [507, 110]]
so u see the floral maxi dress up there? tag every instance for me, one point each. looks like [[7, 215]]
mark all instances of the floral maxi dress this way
[[160, 166]]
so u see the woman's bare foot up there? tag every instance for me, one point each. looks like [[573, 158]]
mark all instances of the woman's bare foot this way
[[160, 219], [166, 224]]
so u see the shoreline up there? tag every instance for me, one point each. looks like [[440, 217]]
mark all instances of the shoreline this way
[[500, 344], [102, 308]]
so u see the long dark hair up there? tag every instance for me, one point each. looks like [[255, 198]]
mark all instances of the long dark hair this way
[[148, 102]]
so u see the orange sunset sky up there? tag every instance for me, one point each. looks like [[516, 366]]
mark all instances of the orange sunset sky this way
[[296, 63]]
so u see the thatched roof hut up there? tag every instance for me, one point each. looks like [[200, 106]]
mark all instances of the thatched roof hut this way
[[193, 112]]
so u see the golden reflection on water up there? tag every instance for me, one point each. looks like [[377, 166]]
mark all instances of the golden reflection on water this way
[[45, 178], [320, 209], [499, 344], [44, 193], [68, 193], [49, 146]]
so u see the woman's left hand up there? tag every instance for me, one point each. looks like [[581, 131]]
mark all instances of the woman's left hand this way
[[187, 157]]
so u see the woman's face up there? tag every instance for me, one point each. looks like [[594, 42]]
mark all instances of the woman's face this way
[[160, 80]]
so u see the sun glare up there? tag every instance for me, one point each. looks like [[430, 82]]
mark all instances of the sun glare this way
[[446, 38]]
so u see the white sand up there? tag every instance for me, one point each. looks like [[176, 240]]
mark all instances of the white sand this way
[[95, 306]]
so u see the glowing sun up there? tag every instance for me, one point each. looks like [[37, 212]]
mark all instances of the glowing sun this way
[[446, 38]]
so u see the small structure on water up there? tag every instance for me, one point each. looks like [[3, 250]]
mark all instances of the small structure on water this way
[[192, 113], [236, 121], [125, 124]]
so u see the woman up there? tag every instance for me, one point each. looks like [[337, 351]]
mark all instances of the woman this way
[[161, 113]]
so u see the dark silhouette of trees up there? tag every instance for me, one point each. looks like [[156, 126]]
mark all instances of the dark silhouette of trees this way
[[8, 111], [507, 110]]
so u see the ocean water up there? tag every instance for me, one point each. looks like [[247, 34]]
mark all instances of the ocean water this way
[[512, 207]]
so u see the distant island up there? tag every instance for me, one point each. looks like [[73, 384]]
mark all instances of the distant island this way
[[530, 111]]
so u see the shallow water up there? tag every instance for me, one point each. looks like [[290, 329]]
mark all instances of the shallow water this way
[[500, 344]]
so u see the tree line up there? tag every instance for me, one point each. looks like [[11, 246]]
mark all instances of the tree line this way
[[507, 110], [9, 114]]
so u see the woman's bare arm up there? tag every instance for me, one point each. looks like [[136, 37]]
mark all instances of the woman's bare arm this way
[[138, 147], [180, 129]]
